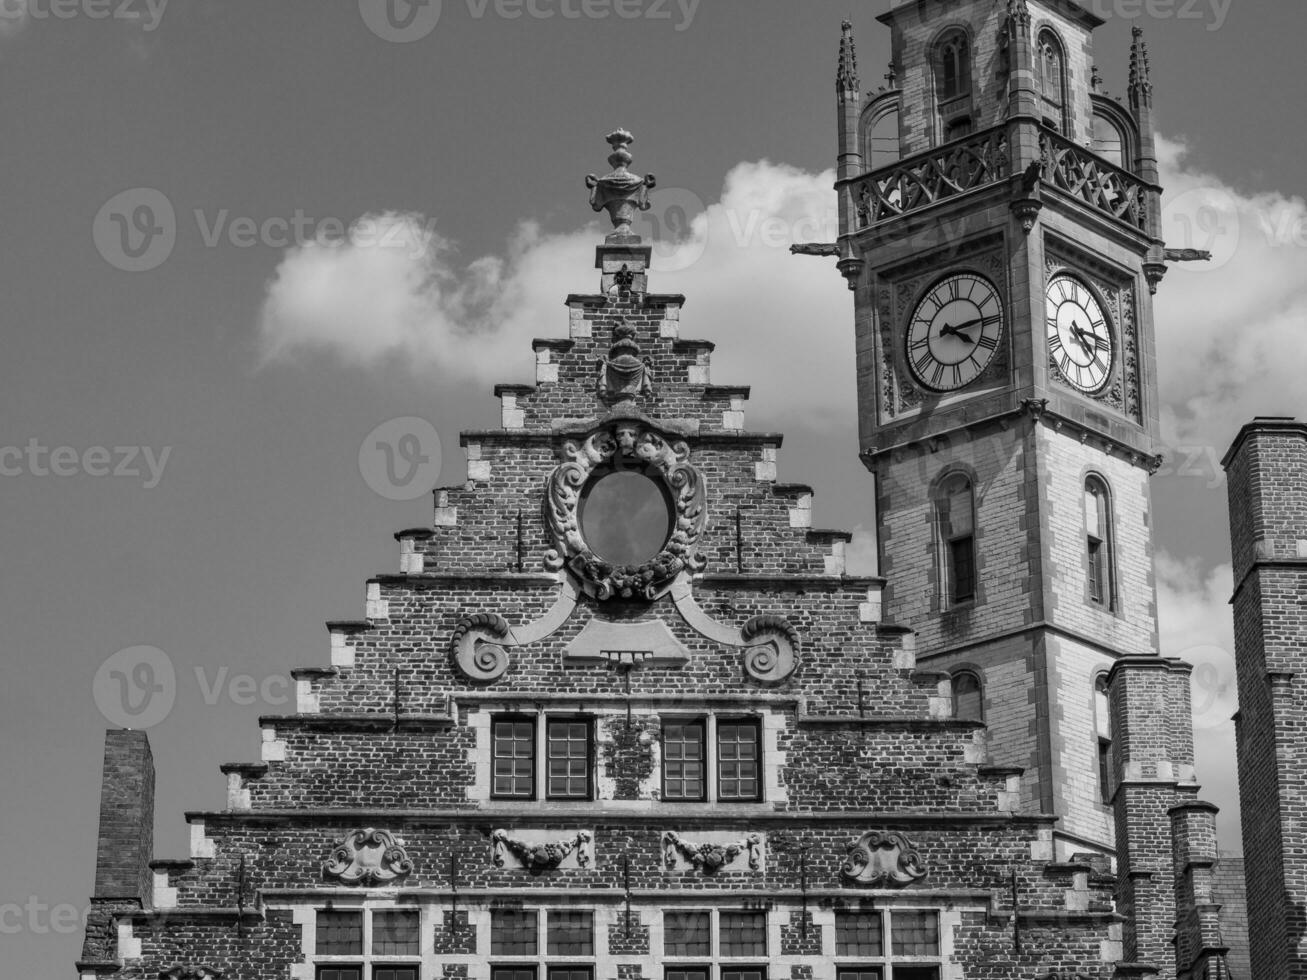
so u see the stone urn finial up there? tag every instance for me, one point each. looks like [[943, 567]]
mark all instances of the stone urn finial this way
[[620, 192]]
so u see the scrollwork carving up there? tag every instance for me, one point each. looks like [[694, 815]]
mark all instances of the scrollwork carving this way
[[770, 644], [711, 857], [538, 857], [878, 858], [368, 857], [627, 444], [473, 650]]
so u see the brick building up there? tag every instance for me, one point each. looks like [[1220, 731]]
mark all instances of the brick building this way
[[621, 713]]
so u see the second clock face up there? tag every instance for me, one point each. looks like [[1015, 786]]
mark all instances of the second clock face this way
[[955, 330], [1079, 339]]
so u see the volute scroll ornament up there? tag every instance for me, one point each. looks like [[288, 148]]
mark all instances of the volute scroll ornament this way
[[628, 444], [474, 649], [368, 857], [770, 645], [886, 859]]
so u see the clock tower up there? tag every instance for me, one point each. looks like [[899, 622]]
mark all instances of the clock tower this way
[[999, 227]]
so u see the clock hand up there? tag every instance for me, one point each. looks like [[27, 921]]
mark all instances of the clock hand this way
[[946, 330], [1084, 336]]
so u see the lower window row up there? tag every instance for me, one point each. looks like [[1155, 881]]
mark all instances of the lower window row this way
[[587, 973]]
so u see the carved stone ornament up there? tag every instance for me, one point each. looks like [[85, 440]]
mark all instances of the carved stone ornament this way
[[890, 860], [624, 374], [711, 857], [620, 192], [190, 973], [625, 444], [769, 649], [540, 856], [473, 648], [368, 857]]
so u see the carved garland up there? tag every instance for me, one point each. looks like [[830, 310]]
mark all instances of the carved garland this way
[[368, 857], [709, 858], [625, 444], [540, 857], [878, 858]]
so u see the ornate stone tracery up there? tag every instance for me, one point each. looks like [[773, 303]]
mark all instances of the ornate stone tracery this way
[[710, 857], [878, 858], [540, 856], [368, 857], [625, 444]]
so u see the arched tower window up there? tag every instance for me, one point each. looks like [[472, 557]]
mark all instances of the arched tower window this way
[[1109, 143], [1098, 542], [968, 696], [1050, 72], [956, 517], [1103, 738], [953, 84], [883, 140]]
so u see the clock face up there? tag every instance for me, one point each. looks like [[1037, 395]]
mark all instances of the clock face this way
[[1079, 338], [954, 332]]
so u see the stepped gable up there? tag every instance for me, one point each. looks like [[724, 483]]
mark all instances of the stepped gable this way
[[380, 786]]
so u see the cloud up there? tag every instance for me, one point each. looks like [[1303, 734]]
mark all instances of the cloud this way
[[396, 296], [1230, 333]]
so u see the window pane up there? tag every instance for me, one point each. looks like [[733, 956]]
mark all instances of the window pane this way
[[395, 934], [1095, 570], [958, 507], [340, 934], [915, 933], [858, 934], [571, 933], [860, 973], [1102, 715], [962, 565], [745, 973], [394, 973], [569, 759], [683, 760], [687, 934], [744, 934], [737, 761], [514, 932], [513, 973], [514, 759], [916, 973], [1093, 512], [571, 973], [340, 973], [686, 973]]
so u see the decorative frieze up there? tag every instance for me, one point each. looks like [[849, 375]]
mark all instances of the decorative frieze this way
[[539, 856], [710, 856], [885, 859], [191, 973], [368, 857]]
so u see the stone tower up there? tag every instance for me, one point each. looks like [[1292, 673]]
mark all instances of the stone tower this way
[[999, 227], [1267, 470]]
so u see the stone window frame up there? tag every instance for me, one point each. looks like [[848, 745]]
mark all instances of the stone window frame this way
[[366, 962], [712, 758], [1104, 739], [888, 962], [953, 108], [975, 674], [1056, 112], [540, 723], [1104, 537]]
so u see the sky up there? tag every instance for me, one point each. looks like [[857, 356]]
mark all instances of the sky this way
[[354, 230]]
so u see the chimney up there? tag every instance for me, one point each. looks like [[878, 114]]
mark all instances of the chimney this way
[[126, 844]]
